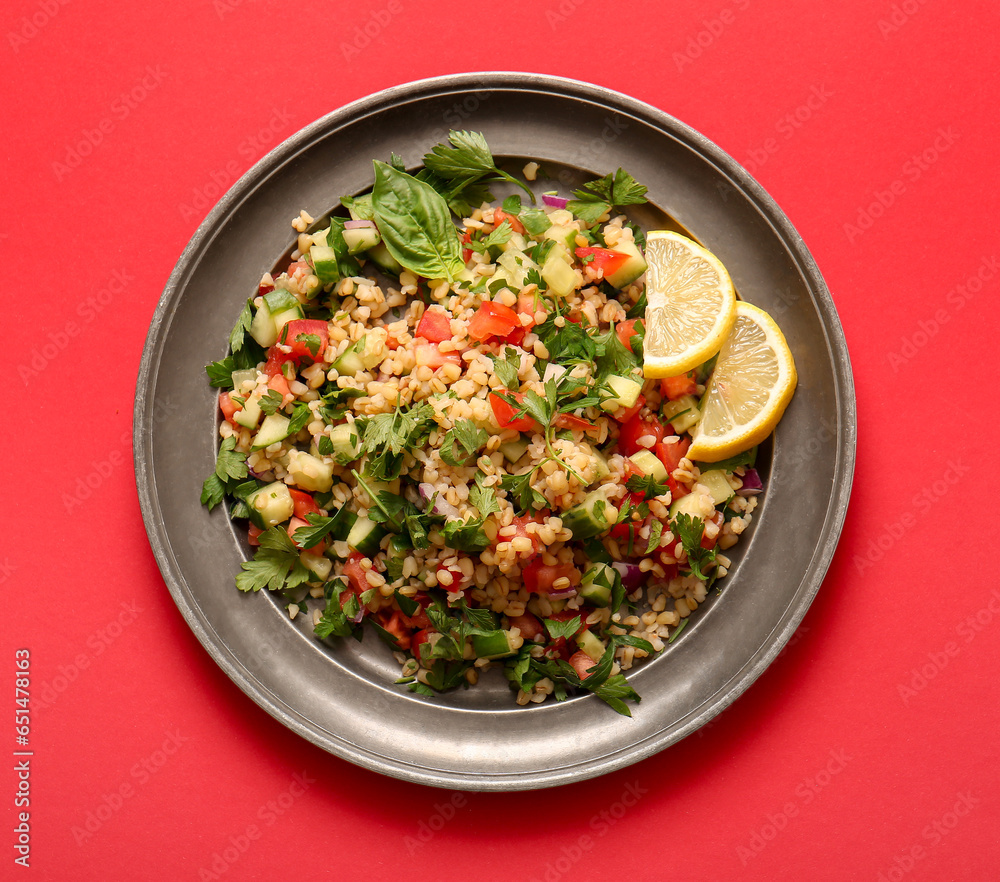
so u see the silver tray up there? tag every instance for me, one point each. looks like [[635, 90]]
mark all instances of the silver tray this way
[[340, 695]]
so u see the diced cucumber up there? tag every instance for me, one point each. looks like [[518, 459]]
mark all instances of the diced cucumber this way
[[514, 450], [285, 316], [682, 413], [310, 472], [279, 300], [384, 260], [273, 429], [492, 644], [560, 277], [262, 326], [592, 516], [366, 536], [602, 469], [597, 584], [695, 505], [591, 644], [345, 523], [361, 239], [623, 392], [346, 440], [318, 565], [373, 350], [717, 484], [629, 271], [249, 414], [349, 363], [324, 262], [515, 243], [241, 377], [513, 266], [270, 505], [647, 462]]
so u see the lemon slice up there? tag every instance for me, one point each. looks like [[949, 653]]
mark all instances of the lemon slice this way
[[750, 387], [690, 305]]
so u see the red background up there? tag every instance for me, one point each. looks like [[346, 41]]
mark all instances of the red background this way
[[867, 750]]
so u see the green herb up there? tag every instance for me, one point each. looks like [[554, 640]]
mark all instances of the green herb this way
[[319, 527], [655, 532], [242, 327], [470, 439], [276, 564], [387, 435], [467, 536], [677, 630], [534, 277], [464, 162], [746, 458], [416, 224], [565, 629], [312, 342], [506, 368], [270, 402], [301, 417], [602, 195], [483, 498], [337, 401], [220, 373], [689, 530], [512, 204], [336, 619], [525, 497], [535, 220], [324, 446], [647, 485], [638, 310], [491, 243], [360, 207]]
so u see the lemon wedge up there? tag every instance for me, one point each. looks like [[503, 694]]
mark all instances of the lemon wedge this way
[[690, 305], [753, 381]]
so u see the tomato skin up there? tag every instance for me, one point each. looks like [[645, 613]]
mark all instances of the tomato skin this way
[[279, 384], [636, 428], [538, 577], [499, 216], [626, 415], [520, 525], [228, 408], [718, 519], [603, 258], [304, 328], [528, 625], [434, 325], [492, 319], [430, 355], [294, 524], [355, 573], [571, 421], [393, 623], [581, 663], [304, 503], [674, 387], [253, 532], [418, 640], [626, 331], [504, 414]]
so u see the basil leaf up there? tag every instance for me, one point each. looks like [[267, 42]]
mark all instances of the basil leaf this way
[[416, 225]]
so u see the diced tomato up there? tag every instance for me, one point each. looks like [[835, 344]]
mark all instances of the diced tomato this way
[[392, 622], [467, 252], [300, 333], [636, 428], [571, 421], [626, 331], [279, 384], [434, 325], [675, 387], [499, 216], [520, 525], [418, 620], [253, 532], [516, 337], [458, 580], [355, 573], [430, 355], [718, 519], [228, 407], [418, 640], [264, 288], [492, 319], [294, 524], [626, 415], [670, 453], [528, 304], [277, 358], [296, 265], [602, 258], [582, 664], [504, 414], [304, 503], [528, 625], [538, 577]]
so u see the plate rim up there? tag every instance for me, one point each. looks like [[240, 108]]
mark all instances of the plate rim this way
[[561, 87]]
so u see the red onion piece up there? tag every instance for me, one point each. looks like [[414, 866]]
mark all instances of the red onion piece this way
[[441, 506], [632, 576], [752, 484], [359, 224], [554, 201], [561, 595]]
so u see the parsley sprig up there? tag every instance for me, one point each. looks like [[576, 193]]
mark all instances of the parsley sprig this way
[[689, 530], [605, 193]]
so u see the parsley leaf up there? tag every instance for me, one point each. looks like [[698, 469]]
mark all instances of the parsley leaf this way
[[506, 368], [301, 417], [689, 530], [238, 334], [270, 402], [319, 528], [647, 485], [213, 491], [469, 437], [312, 342], [655, 532], [276, 564], [603, 194], [483, 498], [465, 536], [231, 464], [559, 629], [220, 373], [387, 435], [525, 497], [535, 220], [464, 161]]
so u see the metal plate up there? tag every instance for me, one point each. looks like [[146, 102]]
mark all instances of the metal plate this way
[[341, 696]]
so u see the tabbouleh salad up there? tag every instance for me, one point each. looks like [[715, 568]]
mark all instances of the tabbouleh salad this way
[[444, 432]]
